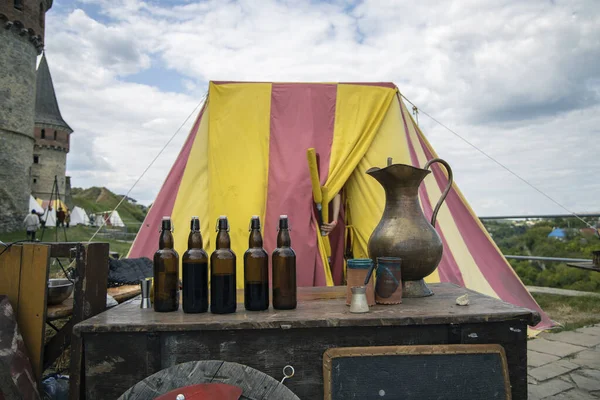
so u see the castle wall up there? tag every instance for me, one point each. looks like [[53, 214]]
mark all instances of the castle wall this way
[[29, 15], [17, 106], [51, 162], [68, 194]]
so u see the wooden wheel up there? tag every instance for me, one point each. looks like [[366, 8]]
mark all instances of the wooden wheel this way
[[255, 385]]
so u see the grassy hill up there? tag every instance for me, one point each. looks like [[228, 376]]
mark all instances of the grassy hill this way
[[101, 199]]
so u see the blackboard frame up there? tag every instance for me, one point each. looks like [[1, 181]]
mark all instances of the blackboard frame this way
[[443, 349]]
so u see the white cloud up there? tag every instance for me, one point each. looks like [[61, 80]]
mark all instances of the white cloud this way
[[518, 79]]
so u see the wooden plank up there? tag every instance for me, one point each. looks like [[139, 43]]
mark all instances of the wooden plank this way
[[125, 292], [153, 354], [65, 309], [33, 289], [89, 300], [62, 310], [10, 274], [61, 249], [512, 335], [113, 364], [317, 308]]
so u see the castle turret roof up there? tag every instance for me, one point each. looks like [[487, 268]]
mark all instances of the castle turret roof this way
[[46, 105]]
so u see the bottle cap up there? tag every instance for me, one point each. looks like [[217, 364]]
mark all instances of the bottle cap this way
[[283, 222], [166, 224], [195, 224], [223, 224], [255, 222]]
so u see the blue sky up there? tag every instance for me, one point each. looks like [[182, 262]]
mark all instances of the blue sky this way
[[520, 80]]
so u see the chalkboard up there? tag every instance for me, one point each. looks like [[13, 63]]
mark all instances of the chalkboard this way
[[465, 372]]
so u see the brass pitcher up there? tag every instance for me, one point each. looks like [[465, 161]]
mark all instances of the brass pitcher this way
[[403, 231]]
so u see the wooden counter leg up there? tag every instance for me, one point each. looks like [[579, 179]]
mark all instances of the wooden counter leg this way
[[89, 300]]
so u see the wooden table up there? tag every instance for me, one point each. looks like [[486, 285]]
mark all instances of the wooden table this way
[[126, 344]]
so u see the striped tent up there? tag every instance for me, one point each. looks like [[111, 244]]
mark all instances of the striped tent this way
[[246, 155]]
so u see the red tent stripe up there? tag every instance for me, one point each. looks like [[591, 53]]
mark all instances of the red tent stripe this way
[[146, 242], [491, 263], [302, 116], [448, 268]]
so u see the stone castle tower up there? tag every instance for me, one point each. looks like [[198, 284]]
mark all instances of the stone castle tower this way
[[51, 139], [21, 41]]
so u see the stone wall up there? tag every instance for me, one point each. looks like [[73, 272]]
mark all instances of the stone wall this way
[[68, 194], [30, 15], [51, 162], [17, 106]]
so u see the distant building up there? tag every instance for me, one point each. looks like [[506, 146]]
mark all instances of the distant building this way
[[587, 231], [52, 138], [558, 233]]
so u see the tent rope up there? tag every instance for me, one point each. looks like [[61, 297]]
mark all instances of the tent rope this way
[[202, 100], [503, 166]]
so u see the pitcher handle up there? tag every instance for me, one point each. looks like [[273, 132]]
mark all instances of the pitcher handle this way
[[446, 191]]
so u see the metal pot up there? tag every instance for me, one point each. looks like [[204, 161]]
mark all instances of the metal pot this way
[[59, 290]]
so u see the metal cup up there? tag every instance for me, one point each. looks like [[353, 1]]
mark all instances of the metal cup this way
[[358, 303], [145, 285]]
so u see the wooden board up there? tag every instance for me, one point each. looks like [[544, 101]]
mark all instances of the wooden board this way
[[33, 289], [466, 372], [10, 274], [62, 310], [317, 308], [125, 292], [89, 300], [65, 309]]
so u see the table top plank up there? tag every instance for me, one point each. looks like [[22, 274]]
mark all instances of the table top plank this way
[[65, 309], [318, 307]]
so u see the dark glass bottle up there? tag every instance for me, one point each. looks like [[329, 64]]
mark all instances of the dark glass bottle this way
[[256, 270], [166, 271], [195, 272], [284, 269], [222, 272]]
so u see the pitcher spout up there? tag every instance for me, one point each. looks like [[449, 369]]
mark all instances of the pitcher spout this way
[[398, 175]]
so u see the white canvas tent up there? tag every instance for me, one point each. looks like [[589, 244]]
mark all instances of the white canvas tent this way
[[34, 205], [102, 218], [79, 217], [49, 216]]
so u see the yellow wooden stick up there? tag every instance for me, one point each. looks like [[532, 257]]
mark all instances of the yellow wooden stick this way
[[311, 155]]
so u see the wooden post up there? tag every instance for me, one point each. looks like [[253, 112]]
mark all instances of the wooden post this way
[[89, 300], [33, 290], [23, 278]]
